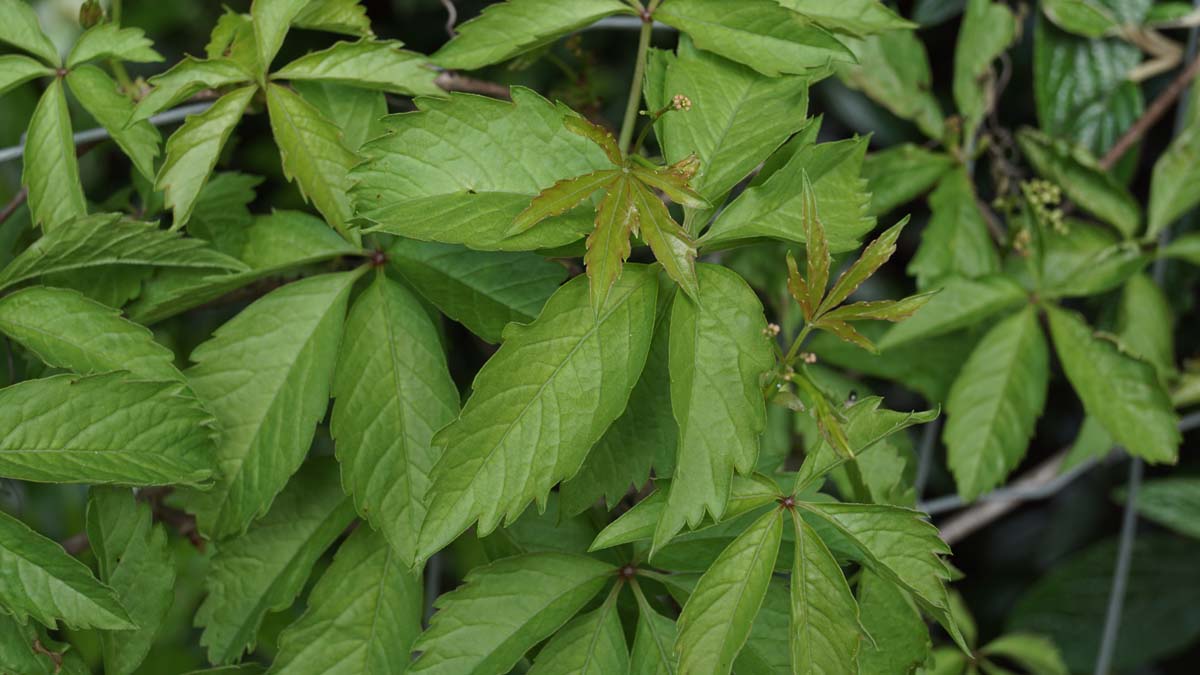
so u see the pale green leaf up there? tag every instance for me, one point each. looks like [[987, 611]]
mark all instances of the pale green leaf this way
[[1081, 178], [995, 403], [1035, 653], [1186, 247], [16, 70], [774, 208], [1172, 502], [1120, 390], [347, 17], [956, 242], [44, 582], [483, 290], [371, 64], [358, 113], [759, 33], [855, 17], [592, 644], [1081, 17], [67, 330], [653, 644], [825, 632], [716, 619], [738, 117], [19, 27], [51, 172], [264, 569], [893, 70], [987, 30], [960, 303], [899, 639], [232, 40], [363, 615], [185, 79], [504, 609], [718, 351], [899, 174], [459, 171], [1145, 323], [507, 29], [109, 41], [106, 428], [313, 154], [272, 18], [137, 563], [100, 96], [393, 391], [266, 375], [538, 408], [192, 152]]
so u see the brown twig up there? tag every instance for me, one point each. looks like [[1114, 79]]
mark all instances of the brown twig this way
[[1157, 109], [13, 204], [455, 82], [984, 513], [451, 17]]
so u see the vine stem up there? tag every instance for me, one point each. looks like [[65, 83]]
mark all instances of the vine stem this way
[[1157, 109], [635, 88]]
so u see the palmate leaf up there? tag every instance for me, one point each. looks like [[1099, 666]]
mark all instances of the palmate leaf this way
[[137, 563], [716, 619], [507, 29], [44, 582], [671, 244], [185, 79], [608, 246], [473, 195], [959, 303], [67, 330], [393, 391], [995, 403], [266, 375], [1120, 390], [893, 70], [16, 69], [537, 407], [19, 28], [504, 609], [265, 568], [718, 351], [363, 615], [592, 644], [758, 33], [109, 428], [563, 196], [825, 633], [51, 172], [110, 41], [597, 134], [370, 64], [100, 96], [272, 19]]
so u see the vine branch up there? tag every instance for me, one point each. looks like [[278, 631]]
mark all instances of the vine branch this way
[[1157, 109]]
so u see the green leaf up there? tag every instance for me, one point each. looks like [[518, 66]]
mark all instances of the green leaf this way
[[995, 403], [960, 303], [232, 40], [483, 290], [19, 28], [504, 609], [185, 79], [956, 242], [313, 154], [758, 33], [738, 117], [67, 330], [854, 17], [1146, 324], [653, 643], [393, 391], [768, 651], [533, 417], [363, 615], [1034, 653], [104, 429], [222, 215], [899, 174], [1082, 179], [878, 252], [1174, 171], [988, 29], [51, 172], [137, 563], [592, 644], [357, 113], [192, 152], [264, 569], [272, 18], [1088, 259], [719, 350], [774, 208], [893, 70], [672, 246], [1081, 17], [347, 17], [716, 619], [1121, 391], [1186, 247], [108, 41], [467, 170], [17, 651], [99, 95], [825, 631], [370, 64], [507, 29], [1173, 503], [44, 582], [899, 637], [899, 545], [597, 134], [266, 375], [16, 70], [608, 246], [563, 196]]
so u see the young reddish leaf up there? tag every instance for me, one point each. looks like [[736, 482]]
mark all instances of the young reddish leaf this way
[[881, 310], [596, 134], [798, 288], [819, 259], [846, 332], [873, 257], [608, 245], [671, 244], [561, 197], [674, 185]]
